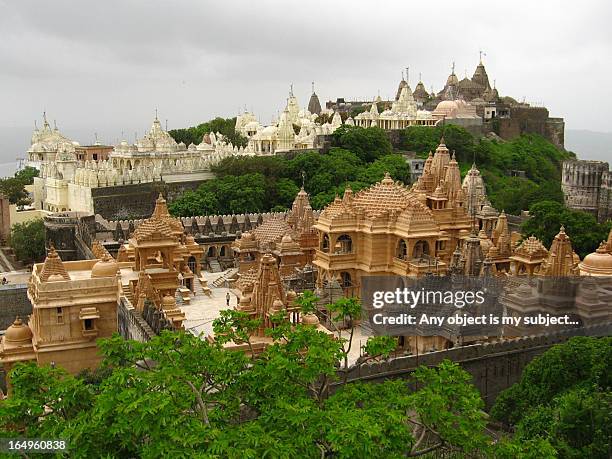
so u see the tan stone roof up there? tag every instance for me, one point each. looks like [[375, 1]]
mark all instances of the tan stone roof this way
[[271, 230], [531, 248], [335, 208], [385, 195], [53, 266], [153, 228]]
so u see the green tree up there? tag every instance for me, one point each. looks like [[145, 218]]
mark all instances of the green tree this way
[[27, 174], [564, 396], [28, 240], [194, 134], [185, 396], [582, 228], [367, 143]]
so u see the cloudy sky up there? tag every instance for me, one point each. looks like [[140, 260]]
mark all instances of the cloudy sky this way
[[106, 66]]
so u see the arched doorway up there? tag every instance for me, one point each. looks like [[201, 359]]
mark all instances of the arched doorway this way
[[325, 243], [421, 248], [344, 244]]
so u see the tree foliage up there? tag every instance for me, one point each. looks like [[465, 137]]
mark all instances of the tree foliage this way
[[194, 134], [14, 187], [582, 228], [183, 396], [28, 240], [564, 396], [368, 144], [273, 181]]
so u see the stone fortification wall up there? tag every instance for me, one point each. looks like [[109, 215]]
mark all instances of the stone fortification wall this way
[[586, 186], [131, 324], [138, 200], [13, 302], [493, 366]]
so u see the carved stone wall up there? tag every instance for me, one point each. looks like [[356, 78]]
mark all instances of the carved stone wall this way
[[587, 186]]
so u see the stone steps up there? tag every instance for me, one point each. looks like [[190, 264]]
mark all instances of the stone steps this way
[[128, 293], [231, 273]]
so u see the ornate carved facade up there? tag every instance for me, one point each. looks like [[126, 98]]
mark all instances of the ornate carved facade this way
[[73, 304]]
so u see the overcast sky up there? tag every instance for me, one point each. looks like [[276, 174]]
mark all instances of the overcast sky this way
[[105, 66]]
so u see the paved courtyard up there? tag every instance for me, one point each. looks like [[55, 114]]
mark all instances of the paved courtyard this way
[[204, 309]]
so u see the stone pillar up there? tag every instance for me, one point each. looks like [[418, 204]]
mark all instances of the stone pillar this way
[[5, 218]]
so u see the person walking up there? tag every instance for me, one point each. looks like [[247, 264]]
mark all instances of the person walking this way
[[227, 299]]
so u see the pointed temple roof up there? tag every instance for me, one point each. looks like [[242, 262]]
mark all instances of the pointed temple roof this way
[[271, 230], [480, 76], [53, 267], [314, 106]]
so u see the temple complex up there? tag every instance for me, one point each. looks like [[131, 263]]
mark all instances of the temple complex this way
[[473, 103], [392, 229], [263, 296], [295, 129], [291, 241], [69, 180]]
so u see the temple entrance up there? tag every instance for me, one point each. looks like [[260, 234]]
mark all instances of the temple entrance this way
[[191, 262]]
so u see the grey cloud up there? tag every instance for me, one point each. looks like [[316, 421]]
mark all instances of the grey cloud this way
[[111, 63]]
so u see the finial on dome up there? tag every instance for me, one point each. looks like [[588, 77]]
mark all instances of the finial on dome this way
[[453, 68], [408, 75], [54, 125], [420, 78], [35, 126], [313, 91], [562, 229], [291, 89], [156, 119]]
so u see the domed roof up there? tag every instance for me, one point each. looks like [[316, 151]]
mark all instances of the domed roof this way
[[598, 263], [310, 319], [106, 267], [277, 305], [168, 302], [287, 238], [18, 333]]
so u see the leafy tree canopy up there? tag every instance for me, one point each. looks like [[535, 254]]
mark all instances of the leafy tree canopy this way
[[564, 396], [273, 181], [194, 134], [28, 240], [582, 228], [14, 187], [367, 143], [180, 395]]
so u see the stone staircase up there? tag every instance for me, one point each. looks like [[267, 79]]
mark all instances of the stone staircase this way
[[215, 266], [229, 275], [7, 259], [128, 293]]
